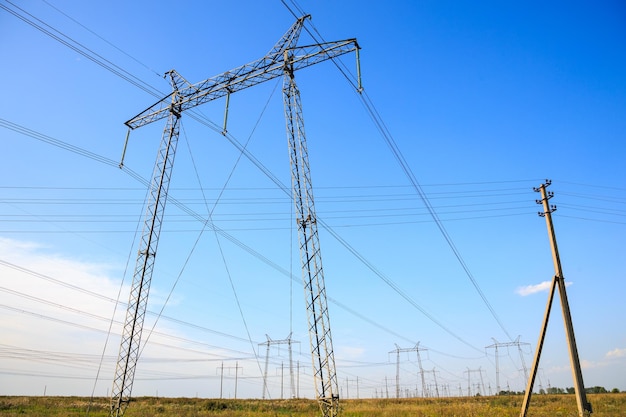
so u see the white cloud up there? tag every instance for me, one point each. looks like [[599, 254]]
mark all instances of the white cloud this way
[[556, 369], [587, 364], [616, 353], [533, 289], [51, 306], [54, 316], [350, 352]]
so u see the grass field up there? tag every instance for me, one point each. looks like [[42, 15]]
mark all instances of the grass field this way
[[604, 405]]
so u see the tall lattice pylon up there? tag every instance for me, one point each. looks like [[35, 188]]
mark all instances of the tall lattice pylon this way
[[282, 60]]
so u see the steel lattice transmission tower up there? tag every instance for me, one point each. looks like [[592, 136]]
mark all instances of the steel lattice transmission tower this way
[[417, 349], [497, 345], [289, 342], [282, 60]]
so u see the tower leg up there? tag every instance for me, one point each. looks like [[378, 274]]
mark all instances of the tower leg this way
[[325, 377], [142, 277]]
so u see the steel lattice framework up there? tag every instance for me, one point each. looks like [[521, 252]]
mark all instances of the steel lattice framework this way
[[283, 59], [142, 277], [327, 390]]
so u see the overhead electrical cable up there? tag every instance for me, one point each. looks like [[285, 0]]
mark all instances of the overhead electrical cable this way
[[470, 276], [173, 200], [100, 330], [594, 186], [368, 225], [395, 150], [17, 352], [323, 187], [377, 213], [592, 220], [195, 116], [351, 249], [594, 197], [88, 53], [112, 300], [79, 48], [270, 175], [212, 125], [50, 34], [101, 38], [411, 176], [346, 199], [381, 212]]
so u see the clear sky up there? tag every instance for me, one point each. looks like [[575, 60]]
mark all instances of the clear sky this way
[[484, 100]]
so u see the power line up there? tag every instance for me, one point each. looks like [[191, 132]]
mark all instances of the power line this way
[[103, 39], [284, 188], [109, 299], [233, 240], [79, 48], [57, 320], [388, 208], [126, 78], [476, 284], [376, 118], [395, 150], [75, 149], [385, 211]]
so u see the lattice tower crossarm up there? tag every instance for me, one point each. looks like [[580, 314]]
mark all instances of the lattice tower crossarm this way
[[323, 357], [237, 79]]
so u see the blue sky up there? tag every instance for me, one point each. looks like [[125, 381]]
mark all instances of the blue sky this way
[[485, 101]]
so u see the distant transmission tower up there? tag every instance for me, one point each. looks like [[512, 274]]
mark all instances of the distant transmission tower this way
[[497, 345], [289, 342], [469, 372], [436, 386], [397, 351]]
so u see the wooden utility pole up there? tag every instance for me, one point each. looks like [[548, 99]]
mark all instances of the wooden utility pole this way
[[584, 407]]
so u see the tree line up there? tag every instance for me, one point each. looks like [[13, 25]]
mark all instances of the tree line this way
[[569, 390]]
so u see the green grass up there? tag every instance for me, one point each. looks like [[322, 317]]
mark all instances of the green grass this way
[[604, 405]]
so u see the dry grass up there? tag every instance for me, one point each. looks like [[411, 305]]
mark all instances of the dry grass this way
[[604, 405]]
